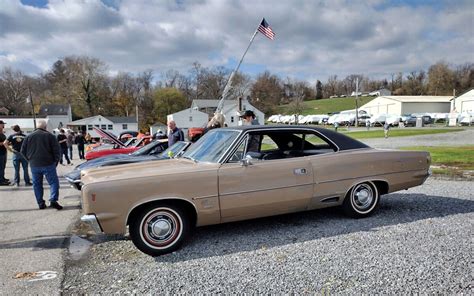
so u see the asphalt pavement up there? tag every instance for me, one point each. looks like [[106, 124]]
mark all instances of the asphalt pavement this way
[[33, 242]]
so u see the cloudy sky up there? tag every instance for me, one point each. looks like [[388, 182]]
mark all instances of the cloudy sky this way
[[314, 39]]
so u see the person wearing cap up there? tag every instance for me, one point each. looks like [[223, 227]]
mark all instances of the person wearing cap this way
[[248, 118], [15, 141], [3, 156]]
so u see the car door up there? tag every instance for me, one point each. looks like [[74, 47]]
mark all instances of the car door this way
[[264, 187]]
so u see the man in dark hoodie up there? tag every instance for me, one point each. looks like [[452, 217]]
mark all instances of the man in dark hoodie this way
[[41, 149]]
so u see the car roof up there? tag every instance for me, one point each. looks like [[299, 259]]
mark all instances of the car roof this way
[[342, 141]]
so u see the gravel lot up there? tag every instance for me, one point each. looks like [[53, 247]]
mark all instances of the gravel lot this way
[[419, 241]]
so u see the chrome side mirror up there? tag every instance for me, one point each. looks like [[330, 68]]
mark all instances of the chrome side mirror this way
[[246, 161]]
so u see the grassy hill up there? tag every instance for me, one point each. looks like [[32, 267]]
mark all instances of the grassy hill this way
[[325, 106]]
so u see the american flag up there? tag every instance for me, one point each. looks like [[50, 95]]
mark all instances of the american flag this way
[[266, 30]]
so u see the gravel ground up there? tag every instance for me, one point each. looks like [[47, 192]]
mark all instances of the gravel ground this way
[[419, 241]]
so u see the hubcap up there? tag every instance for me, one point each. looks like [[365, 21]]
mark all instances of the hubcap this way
[[161, 228], [363, 196]]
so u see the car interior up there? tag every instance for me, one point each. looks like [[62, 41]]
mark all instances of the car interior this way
[[270, 145]]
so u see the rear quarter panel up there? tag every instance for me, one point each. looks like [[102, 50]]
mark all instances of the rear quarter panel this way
[[335, 173]]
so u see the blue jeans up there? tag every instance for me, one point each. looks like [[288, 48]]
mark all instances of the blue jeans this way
[[17, 160], [3, 164], [69, 148], [51, 176]]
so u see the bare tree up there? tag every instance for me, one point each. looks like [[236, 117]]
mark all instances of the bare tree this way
[[13, 90]]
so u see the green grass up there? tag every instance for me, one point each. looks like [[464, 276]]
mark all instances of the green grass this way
[[396, 132], [461, 156], [325, 106]]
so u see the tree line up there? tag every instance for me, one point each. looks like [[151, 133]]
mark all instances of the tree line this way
[[86, 84]]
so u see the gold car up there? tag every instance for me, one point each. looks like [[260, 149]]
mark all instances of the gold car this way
[[240, 173]]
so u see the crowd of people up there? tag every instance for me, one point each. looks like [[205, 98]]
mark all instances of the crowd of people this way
[[40, 152]]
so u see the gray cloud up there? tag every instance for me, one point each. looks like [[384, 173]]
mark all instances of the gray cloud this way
[[314, 38]]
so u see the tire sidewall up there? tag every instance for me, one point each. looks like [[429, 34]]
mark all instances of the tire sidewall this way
[[349, 201], [138, 236]]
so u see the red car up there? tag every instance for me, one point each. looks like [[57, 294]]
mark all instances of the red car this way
[[118, 147]]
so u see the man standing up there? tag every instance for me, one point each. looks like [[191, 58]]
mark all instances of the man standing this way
[[3, 156], [386, 128], [248, 118], [174, 134], [15, 140], [62, 140], [41, 149], [70, 142], [81, 141]]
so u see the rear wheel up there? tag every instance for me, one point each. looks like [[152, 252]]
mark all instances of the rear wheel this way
[[362, 200], [160, 229]]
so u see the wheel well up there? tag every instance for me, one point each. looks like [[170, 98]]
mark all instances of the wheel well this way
[[382, 187], [185, 205]]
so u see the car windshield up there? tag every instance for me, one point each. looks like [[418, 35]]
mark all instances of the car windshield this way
[[145, 149], [211, 146], [173, 150]]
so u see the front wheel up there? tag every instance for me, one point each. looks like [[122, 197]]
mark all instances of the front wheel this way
[[159, 229], [362, 200]]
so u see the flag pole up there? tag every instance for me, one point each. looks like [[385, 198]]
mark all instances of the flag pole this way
[[229, 81]]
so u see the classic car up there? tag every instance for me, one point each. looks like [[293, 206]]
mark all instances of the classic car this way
[[156, 150], [118, 147], [239, 173]]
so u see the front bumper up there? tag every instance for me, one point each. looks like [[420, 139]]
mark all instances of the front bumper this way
[[92, 221], [76, 184]]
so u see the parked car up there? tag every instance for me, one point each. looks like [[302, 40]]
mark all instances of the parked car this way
[[411, 121], [240, 173], [157, 150], [118, 147]]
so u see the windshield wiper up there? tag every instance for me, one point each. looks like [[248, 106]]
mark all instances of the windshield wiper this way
[[189, 157]]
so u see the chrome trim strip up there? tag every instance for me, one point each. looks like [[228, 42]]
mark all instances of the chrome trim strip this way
[[91, 220], [204, 197], [329, 199], [266, 189], [369, 176]]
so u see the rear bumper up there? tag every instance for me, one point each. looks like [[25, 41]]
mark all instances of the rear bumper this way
[[92, 221]]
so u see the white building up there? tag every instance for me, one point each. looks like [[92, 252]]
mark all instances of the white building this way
[[115, 125], [187, 118], [399, 105], [464, 103], [56, 116], [231, 109]]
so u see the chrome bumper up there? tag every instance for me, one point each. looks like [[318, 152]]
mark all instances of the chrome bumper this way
[[92, 221], [76, 184]]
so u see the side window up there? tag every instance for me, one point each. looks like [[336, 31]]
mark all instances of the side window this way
[[268, 145], [239, 153], [314, 144]]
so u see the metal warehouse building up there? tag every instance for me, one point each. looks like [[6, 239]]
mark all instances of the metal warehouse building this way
[[399, 105], [464, 103]]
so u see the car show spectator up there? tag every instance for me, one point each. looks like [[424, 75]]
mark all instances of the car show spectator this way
[[88, 138], [70, 141], [15, 140], [3, 156], [174, 133], [386, 128], [62, 140], [80, 141], [248, 118], [41, 149]]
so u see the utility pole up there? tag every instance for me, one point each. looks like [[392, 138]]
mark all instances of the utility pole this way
[[30, 98], [357, 102]]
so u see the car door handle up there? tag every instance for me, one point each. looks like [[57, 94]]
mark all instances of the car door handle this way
[[301, 171]]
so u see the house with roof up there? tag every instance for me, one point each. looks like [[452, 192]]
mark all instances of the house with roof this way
[[113, 124], [463, 103], [400, 105], [56, 116]]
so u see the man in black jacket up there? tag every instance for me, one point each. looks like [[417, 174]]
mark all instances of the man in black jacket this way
[[41, 149]]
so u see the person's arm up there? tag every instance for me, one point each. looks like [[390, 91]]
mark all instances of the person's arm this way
[[55, 149], [24, 147], [7, 144]]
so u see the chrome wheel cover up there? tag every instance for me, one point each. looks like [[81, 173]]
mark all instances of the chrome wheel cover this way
[[161, 228], [364, 198]]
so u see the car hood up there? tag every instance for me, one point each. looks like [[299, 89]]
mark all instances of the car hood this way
[[143, 170], [109, 161]]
